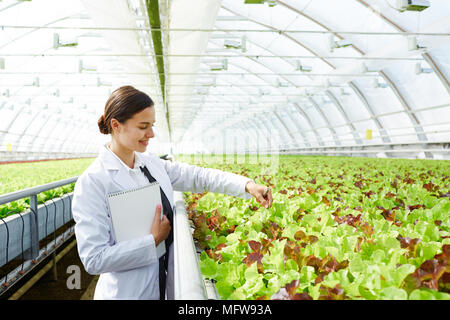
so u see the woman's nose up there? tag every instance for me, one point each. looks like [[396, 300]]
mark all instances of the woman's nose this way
[[150, 134]]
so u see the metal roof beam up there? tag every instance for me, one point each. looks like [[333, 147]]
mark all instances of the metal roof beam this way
[[155, 26]]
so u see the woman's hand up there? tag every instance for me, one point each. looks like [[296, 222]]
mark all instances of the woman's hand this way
[[160, 227], [262, 193]]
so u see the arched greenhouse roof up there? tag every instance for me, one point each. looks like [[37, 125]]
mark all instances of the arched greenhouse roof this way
[[359, 77]]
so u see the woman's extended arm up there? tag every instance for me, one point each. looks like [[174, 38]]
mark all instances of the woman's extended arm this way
[[186, 177]]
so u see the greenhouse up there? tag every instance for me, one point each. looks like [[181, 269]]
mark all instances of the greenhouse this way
[[295, 149]]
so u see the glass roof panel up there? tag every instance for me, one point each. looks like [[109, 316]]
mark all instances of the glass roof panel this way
[[59, 61], [352, 105]]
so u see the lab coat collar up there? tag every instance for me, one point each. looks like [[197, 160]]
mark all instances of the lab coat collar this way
[[113, 163], [109, 161], [121, 176]]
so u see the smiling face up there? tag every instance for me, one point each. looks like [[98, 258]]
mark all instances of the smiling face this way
[[134, 134]]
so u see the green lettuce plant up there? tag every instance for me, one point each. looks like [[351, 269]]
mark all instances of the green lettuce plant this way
[[339, 228]]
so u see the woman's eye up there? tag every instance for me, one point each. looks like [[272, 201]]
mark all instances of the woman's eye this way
[[146, 127]]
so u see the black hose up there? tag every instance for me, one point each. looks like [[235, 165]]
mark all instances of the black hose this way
[[63, 214], [23, 229], [71, 215], [54, 224], [46, 228], [5, 284]]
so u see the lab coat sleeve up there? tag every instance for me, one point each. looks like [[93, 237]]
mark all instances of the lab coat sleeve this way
[[186, 177], [92, 230]]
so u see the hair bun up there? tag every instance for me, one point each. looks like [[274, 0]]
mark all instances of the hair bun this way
[[102, 125]]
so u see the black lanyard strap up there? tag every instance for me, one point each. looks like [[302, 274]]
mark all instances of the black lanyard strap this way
[[164, 260], [167, 208]]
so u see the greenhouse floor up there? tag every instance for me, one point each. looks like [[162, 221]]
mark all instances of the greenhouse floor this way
[[49, 289]]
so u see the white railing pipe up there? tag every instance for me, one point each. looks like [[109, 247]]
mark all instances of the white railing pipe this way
[[189, 283]]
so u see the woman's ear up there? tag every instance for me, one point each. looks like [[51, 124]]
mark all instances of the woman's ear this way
[[115, 125]]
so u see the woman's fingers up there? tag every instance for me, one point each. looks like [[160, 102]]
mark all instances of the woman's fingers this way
[[261, 200], [157, 218], [264, 196], [268, 197], [165, 224], [158, 227]]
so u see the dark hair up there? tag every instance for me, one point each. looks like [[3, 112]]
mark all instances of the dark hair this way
[[122, 104]]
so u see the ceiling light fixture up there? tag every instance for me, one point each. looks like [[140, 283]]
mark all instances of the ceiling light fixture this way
[[270, 3], [413, 45], [82, 67], [301, 67], [420, 69], [58, 43], [365, 68], [412, 5], [239, 44], [282, 84], [337, 44], [103, 83], [377, 84], [219, 66]]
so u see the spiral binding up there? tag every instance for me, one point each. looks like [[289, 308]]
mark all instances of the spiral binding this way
[[114, 194]]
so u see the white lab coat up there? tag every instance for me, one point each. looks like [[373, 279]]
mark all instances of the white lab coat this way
[[129, 269]]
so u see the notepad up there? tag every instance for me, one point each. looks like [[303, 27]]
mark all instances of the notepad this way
[[133, 211]]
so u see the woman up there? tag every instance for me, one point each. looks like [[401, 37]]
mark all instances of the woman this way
[[131, 269]]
